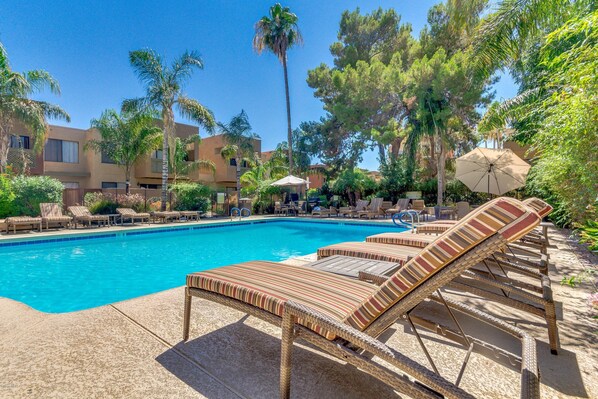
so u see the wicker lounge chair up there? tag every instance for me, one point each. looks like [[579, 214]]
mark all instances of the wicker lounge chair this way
[[166, 216], [339, 315], [52, 214], [82, 215], [401, 205], [373, 209], [325, 212], [494, 285], [131, 215], [352, 211], [190, 215], [14, 221]]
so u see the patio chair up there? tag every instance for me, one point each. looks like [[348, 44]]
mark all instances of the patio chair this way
[[331, 211], [15, 221], [166, 216], [463, 209], [343, 316], [372, 210], [419, 206], [351, 211], [279, 208], [82, 215], [132, 216], [486, 282], [52, 213], [401, 205]]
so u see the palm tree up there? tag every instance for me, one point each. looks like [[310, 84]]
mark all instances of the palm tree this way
[[164, 91], [17, 106], [239, 143], [125, 138], [278, 33], [180, 164]]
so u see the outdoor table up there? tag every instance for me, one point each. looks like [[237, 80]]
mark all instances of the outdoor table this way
[[350, 267], [114, 219]]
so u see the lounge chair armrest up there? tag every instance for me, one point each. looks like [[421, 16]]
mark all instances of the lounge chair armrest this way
[[294, 311], [374, 278]]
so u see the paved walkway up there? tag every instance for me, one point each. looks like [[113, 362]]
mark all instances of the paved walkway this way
[[133, 349]]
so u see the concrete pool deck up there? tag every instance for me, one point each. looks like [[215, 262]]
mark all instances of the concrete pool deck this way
[[133, 349]]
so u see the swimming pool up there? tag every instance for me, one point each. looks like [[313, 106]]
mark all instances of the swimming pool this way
[[81, 273]]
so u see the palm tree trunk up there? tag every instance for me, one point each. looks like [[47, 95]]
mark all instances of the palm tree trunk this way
[[238, 162], [289, 131], [441, 165], [167, 119], [127, 180]]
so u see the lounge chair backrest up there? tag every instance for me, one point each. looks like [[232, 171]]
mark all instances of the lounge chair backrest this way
[[541, 207], [361, 205], [403, 203], [418, 205], [79, 211], [505, 216], [386, 205], [50, 209], [462, 209], [375, 204]]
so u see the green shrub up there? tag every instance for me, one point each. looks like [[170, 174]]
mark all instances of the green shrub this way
[[99, 203], [191, 197], [30, 191], [7, 196]]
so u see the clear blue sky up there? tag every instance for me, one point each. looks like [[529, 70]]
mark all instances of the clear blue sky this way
[[85, 46]]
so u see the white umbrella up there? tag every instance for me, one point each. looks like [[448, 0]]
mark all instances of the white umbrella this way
[[290, 180], [491, 171]]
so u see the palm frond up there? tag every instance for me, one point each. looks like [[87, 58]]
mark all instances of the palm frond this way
[[501, 115], [147, 65], [503, 34], [133, 105], [53, 111], [40, 79], [183, 66], [192, 109]]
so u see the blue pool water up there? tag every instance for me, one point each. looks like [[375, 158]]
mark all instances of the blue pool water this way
[[73, 275]]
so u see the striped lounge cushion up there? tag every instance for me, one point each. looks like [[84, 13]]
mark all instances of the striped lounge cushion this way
[[403, 238], [541, 207], [433, 228], [370, 250], [269, 285], [506, 216]]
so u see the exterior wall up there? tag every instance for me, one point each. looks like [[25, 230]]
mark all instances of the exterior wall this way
[[225, 176], [69, 172], [90, 172]]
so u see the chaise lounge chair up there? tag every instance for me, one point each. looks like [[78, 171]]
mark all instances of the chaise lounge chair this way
[[352, 211], [15, 221], [372, 210], [131, 215], [83, 215], [166, 216], [401, 205], [325, 212], [52, 213], [495, 285], [340, 315]]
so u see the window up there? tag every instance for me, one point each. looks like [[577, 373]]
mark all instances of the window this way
[[20, 142], [150, 186], [62, 151], [106, 158], [109, 184], [70, 184], [157, 154], [233, 162]]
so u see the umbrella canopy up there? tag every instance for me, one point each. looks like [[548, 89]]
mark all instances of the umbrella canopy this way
[[290, 180], [491, 171]]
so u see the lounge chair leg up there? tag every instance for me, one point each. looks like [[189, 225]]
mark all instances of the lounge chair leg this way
[[285, 355], [187, 314]]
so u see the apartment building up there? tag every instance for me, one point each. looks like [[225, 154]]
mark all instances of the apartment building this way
[[64, 157]]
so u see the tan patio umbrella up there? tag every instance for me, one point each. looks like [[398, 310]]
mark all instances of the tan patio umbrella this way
[[492, 171]]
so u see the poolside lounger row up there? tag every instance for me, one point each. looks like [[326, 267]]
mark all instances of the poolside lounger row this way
[[344, 316]]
